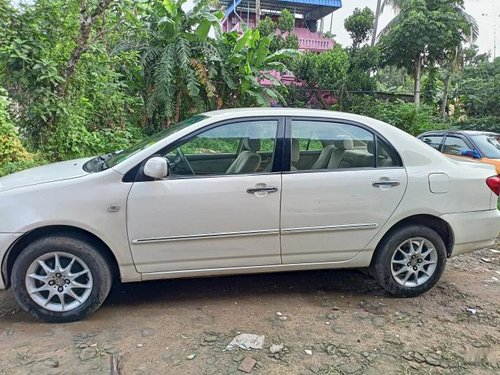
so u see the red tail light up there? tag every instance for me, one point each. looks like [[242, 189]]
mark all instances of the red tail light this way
[[494, 184]]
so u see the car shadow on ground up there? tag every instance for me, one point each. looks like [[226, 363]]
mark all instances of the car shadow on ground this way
[[285, 284], [196, 292]]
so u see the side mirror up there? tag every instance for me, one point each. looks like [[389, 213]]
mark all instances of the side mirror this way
[[156, 167], [471, 154]]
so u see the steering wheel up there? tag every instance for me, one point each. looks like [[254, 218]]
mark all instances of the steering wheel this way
[[185, 161]]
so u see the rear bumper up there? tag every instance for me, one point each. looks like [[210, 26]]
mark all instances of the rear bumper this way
[[473, 230], [6, 241]]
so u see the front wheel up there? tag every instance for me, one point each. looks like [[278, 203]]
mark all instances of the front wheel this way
[[410, 261], [61, 278]]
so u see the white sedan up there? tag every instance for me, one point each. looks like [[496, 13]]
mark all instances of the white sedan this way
[[242, 191]]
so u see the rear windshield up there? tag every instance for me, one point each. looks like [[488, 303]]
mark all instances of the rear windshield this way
[[488, 144]]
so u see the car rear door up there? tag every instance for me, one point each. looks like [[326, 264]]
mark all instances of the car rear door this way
[[331, 214]]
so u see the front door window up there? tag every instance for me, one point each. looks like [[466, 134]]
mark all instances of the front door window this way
[[245, 147], [455, 146]]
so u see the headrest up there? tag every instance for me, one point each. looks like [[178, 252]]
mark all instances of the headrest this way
[[326, 142], [251, 144], [370, 147], [295, 150], [344, 142]]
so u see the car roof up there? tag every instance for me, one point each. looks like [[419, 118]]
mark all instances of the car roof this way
[[282, 111], [266, 110], [464, 132]]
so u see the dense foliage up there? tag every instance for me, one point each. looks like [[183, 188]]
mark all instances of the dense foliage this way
[[424, 33], [281, 32], [80, 78], [359, 25], [11, 149], [475, 96]]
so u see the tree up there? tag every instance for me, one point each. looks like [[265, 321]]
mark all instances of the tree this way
[[364, 59], [363, 62], [477, 90], [323, 71], [454, 62], [87, 22], [359, 25], [453, 56], [422, 34], [242, 63], [99, 101], [457, 5], [378, 10], [281, 32], [173, 63], [329, 35], [430, 86]]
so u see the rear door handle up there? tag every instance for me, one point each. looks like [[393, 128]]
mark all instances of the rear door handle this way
[[267, 189], [385, 183]]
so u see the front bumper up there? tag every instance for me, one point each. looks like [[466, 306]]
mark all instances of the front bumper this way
[[6, 241], [473, 230]]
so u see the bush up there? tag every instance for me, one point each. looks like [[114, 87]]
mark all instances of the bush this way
[[408, 118], [11, 149], [487, 123], [402, 115], [73, 140], [74, 135], [16, 166]]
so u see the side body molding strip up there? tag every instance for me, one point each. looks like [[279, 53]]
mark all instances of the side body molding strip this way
[[264, 232], [330, 228]]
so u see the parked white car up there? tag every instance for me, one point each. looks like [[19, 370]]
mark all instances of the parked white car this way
[[242, 191]]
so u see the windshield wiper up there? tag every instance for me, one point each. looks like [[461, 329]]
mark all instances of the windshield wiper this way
[[103, 165]]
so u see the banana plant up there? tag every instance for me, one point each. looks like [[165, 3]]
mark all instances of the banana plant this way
[[246, 61], [173, 57]]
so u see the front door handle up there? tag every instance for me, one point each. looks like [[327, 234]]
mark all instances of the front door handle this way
[[387, 183], [266, 189]]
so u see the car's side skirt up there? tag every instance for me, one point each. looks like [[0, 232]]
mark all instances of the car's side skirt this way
[[362, 259]]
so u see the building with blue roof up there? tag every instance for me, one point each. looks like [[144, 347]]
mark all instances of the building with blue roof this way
[[309, 16]]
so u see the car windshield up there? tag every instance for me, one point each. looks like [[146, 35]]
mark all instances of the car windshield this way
[[488, 144], [120, 156]]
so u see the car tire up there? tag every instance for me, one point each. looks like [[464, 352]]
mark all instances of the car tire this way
[[55, 267], [409, 261]]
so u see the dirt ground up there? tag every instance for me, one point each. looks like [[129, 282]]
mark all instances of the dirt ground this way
[[329, 322]]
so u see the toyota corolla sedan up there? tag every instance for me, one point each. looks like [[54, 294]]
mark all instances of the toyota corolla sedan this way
[[242, 191]]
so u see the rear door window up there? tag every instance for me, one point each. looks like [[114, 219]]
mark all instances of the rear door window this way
[[433, 140]]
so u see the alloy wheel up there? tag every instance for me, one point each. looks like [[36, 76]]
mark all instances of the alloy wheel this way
[[59, 281], [414, 262]]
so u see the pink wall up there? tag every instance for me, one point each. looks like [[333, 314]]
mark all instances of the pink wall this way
[[308, 41]]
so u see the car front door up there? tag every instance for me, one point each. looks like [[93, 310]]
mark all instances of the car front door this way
[[219, 206], [331, 210], [455, 145]]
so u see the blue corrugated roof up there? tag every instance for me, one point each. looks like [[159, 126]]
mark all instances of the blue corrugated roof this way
[[231, 7], [321, 7], [325, 3]]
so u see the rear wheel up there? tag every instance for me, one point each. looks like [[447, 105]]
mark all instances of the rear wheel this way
[[61, 278], [410, 261]]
